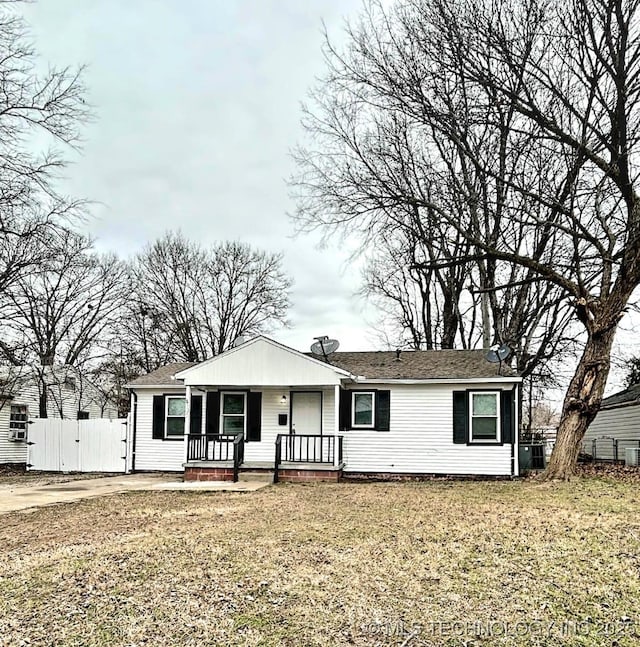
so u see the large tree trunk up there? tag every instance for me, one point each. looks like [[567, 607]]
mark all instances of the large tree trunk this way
[[581, 404]]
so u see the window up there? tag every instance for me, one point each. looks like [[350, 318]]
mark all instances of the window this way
[[484, 420], [83, 415], [18, 420], [362, 409], [233, 413], [175, 412]]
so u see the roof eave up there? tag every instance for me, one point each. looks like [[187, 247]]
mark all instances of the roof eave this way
[[440, 380], [620, 405], [154, 386]]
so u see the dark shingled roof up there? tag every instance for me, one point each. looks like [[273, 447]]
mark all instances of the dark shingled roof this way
[[381, 365], [418, 364], [632, 394], [163, 375]]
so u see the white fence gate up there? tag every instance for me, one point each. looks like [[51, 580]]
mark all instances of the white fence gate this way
[[98, 445]]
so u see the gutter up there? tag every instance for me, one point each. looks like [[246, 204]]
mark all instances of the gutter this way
[[134, 411], [517, 405], [444, 380], [620, 405], [173, 385]]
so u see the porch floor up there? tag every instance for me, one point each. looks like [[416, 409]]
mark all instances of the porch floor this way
[[266, 465]]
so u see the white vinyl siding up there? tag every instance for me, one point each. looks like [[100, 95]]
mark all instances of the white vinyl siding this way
[[10, 452], [152, 454], [420, 440], [621, 423], [262, 362]]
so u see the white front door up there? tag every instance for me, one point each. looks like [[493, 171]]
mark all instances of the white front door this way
[[306, 413]]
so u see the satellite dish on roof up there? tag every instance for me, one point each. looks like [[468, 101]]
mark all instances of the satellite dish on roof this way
[[324, 346], [239, 340], [503, 351], [497, 354]]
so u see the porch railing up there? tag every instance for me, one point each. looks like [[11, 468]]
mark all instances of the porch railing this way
[[238, 455], [217, 448], [302, 448]]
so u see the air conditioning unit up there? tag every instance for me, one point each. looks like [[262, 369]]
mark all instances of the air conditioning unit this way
[[17, 435], [632, 456]]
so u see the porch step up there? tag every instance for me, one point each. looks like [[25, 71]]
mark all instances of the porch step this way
[[263, 476]]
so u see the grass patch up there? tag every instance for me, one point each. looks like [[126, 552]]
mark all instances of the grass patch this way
[[17, 478], [435, 563]]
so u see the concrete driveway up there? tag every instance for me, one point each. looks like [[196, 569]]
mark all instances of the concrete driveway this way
[[16, 497]]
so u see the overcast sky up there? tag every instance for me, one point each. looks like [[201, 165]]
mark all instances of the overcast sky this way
[[197, 108]]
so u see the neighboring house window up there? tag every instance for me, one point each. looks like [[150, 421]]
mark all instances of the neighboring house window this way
[[18, 419], [484, 420], [233, 413], [176, 408], [83, 415], [363, 414]]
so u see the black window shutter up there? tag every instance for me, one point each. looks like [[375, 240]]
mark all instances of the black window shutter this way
[[158, 417], [506, 416], [254, 416], [212, 424], [383, 410], [460, 418], [195, 415], [345, 410]]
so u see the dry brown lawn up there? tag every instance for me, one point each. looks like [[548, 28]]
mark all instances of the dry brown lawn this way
[[15, 477], [434, 563]]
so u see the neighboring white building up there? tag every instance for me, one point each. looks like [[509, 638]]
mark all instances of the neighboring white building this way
[[362, 413], [616, 427], [69, 395]]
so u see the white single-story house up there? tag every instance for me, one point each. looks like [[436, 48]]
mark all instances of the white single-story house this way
[[264, 406], [616, 427], [70, 395]]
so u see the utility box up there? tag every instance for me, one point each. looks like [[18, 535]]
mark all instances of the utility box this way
[[531, 456]]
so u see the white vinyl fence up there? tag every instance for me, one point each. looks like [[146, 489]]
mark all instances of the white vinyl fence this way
[[98, 445]]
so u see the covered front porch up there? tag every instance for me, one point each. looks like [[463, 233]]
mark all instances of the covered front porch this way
[[289, 434], [263, 408]]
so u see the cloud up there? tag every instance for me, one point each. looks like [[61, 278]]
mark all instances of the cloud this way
[[196, 113]]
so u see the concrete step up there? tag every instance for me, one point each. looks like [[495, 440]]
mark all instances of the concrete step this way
[[260, 477]]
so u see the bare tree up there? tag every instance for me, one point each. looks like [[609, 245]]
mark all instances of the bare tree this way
[[191, 303], [632, 376], [528, 110], [50, 106], [385, 173], [110, 376], [11, 380], [65, 313], [422, 307]]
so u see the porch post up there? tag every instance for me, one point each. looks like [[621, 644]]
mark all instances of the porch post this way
[[336, 424], [187, 422]]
